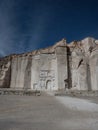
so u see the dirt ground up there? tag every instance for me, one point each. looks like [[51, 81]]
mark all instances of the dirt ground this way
[[48, 112]]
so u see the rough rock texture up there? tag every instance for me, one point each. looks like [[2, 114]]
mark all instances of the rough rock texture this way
[[84, 64], [5, 72], [62, 66]]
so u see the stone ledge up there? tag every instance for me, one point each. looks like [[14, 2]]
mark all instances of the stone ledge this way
[[4, 91], [77, 93]]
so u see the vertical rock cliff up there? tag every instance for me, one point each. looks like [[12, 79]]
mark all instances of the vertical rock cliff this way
[[5, 72], [72, 66]]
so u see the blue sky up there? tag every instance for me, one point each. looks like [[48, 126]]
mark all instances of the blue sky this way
[[26, 25]]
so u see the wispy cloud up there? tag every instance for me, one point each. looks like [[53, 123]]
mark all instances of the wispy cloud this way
[[22, 26], [6, 28]]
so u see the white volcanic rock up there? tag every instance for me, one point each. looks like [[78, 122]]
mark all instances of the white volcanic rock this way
[[62, 66]]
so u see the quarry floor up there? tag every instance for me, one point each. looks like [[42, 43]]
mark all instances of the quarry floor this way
[[47, 112]]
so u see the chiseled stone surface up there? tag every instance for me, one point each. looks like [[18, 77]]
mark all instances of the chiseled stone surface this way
[[72, 66]]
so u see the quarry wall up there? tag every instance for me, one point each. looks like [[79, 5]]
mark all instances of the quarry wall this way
[[63, 66]]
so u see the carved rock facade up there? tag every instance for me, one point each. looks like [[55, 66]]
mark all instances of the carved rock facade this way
[[71, 66]]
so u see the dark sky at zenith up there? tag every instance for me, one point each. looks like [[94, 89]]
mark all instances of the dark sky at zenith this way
[[26, 25]]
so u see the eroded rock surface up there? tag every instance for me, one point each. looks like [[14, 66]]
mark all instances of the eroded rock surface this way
[[62, 66], [5, 72]]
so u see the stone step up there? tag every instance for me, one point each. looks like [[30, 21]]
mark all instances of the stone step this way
[[19, 92]]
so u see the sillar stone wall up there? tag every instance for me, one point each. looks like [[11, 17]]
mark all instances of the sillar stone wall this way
[[63, 66]]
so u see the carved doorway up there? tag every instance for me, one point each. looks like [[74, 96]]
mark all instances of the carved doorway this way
[[48, 85]]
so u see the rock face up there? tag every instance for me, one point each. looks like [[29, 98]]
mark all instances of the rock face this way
[[84, 64], [5, 72], [71, 66]]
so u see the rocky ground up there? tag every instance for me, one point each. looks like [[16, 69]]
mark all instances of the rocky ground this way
[[48, 112]]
